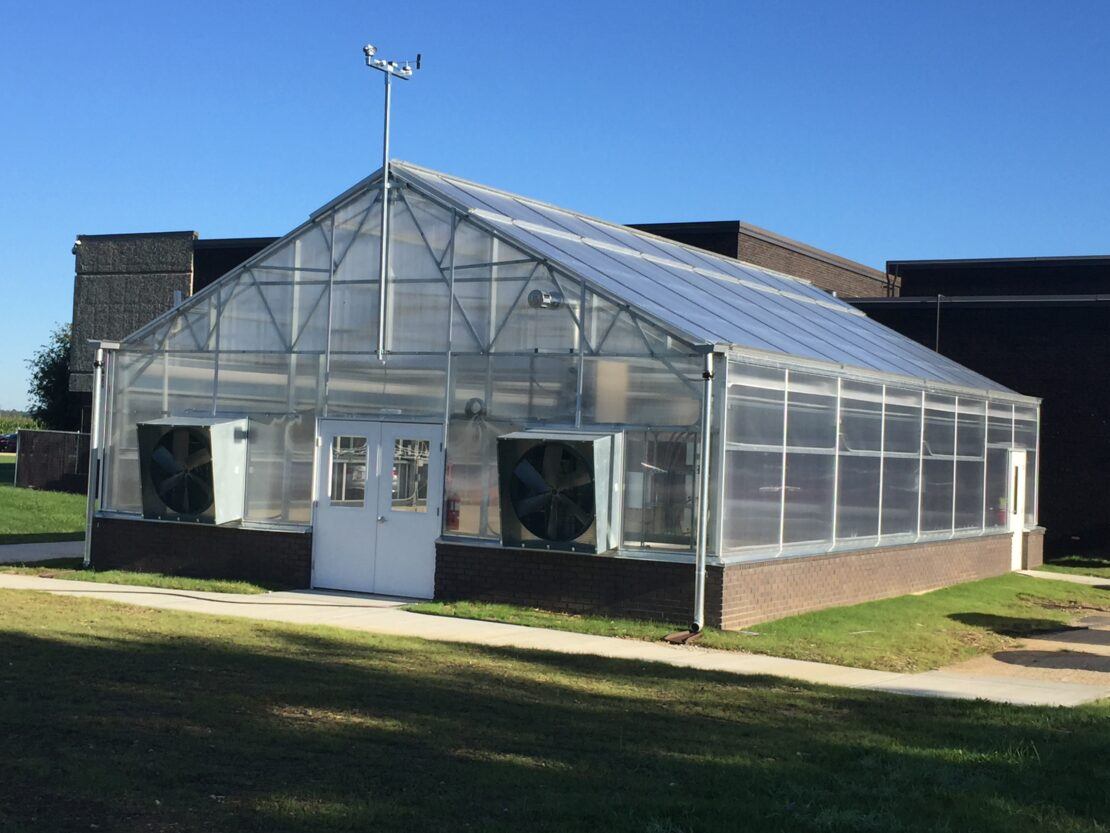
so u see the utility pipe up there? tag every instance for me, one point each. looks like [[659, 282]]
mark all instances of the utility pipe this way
[[703, 497]]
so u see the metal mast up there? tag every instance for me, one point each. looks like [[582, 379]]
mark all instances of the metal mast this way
[[391, 70]]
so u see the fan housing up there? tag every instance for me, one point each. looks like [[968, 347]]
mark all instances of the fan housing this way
[[559, 490], [193, 469]]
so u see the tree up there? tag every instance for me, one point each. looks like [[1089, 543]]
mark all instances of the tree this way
[[52, 405]]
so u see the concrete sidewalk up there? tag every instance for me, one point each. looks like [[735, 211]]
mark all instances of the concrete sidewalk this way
[[1093, 581], [384, 616], [19, 553]]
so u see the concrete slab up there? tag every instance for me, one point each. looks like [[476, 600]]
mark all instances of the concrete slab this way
[[18, 553], [384, 615]]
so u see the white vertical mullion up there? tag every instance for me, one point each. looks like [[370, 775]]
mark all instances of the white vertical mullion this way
[[836, 467], [986, 434], [921, 467], [882, 461], [782, 479], [955, 461]]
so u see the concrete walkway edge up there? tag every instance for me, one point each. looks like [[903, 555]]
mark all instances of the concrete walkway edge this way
[[385, 616]]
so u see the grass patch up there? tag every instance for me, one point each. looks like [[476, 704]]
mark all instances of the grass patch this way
[[124, 718], [28, 516], [1083, 565], [7, 469], [73, 570], [907, 633]]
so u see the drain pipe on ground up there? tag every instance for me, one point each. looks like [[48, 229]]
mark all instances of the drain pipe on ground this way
[[703, 497]]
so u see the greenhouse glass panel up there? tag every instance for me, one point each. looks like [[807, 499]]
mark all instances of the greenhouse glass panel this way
[[756, 402], [1000, 424], [857, 514], [969, 494], [810, 411], [900, 495], [808, 510], [359, 385], [940, 426], [138, 384], [902, 423], [936, 495], [971, 428], [659, 497], [753, 499], [861, 418], [642, 391]]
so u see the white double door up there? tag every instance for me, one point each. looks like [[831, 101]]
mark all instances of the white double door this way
[[379, 489]]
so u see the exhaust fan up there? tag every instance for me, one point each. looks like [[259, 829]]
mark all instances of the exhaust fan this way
[[193, 469], [559, 490]]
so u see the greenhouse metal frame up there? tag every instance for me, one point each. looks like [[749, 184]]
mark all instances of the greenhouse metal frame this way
[[762, 418]]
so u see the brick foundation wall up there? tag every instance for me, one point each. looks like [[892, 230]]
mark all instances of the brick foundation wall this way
[[758, 591], [1032, 552], [569, 582], [202, 551], [737, 595]]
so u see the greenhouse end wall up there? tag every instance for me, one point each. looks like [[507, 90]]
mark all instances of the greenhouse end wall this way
[[291, 337]]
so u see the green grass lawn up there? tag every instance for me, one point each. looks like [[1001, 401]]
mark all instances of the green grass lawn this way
[[129, 719], [28, 515], [71, 568], [908, 633], [7, 468], [1084, 565]]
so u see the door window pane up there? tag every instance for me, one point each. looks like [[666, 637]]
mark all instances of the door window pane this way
[[410, 475], [348, 471]]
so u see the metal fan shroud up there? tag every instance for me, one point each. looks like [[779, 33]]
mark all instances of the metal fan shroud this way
[[181, 470], [552, 492]]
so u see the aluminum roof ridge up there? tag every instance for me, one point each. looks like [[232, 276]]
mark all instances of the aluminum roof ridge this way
[[670, 263], [704, 253]]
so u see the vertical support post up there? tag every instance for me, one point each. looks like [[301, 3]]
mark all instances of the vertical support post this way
[[93, 502], [703, 496], [383, 264]]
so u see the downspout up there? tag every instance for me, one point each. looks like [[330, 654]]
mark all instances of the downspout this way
[[703, 497], [94, 454]]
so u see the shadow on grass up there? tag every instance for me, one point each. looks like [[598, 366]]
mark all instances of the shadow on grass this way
[[1057, 660], [253, 727], [1080, 562], [1014, 626], [40, 537], [7, 474]]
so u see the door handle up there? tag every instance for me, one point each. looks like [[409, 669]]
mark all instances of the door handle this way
[[381, 519]]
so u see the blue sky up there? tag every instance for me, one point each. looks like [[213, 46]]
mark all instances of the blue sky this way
[[874, 129]]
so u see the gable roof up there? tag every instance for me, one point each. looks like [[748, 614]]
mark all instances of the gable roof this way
[[708, 299]]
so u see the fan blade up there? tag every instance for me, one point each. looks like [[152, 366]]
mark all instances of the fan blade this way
[[553, 533], [552, 461], [536, 503], [162, 458], [199, 458], [574, 478], [167, 485], [531, 478], [585, 518], [180, 444]]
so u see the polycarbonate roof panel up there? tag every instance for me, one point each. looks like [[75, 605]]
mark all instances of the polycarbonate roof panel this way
[[706, 298]]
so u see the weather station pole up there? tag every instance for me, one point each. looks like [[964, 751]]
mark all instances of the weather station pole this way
[[391, 70]]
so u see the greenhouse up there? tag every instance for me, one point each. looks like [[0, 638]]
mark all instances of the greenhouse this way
[[540, 407]]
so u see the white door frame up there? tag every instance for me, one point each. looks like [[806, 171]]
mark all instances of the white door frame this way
[[1015, 488], [347, 540]]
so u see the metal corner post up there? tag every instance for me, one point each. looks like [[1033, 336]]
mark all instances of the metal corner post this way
[[703, 497], [93, 502]]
